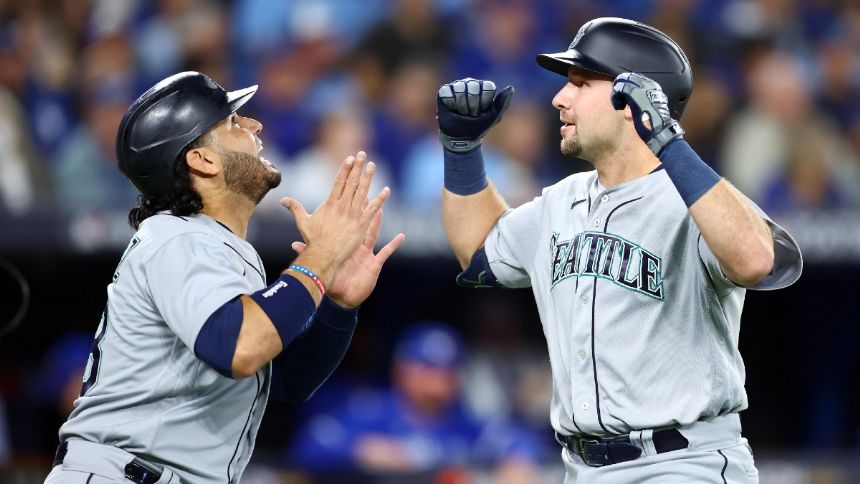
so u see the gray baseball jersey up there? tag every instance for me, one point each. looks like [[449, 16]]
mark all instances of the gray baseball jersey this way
[[641, 324], [144, 389]]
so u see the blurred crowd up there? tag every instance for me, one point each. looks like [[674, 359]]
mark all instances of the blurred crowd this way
[[775, 109]]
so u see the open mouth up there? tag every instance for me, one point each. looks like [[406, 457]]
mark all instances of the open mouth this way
[[259, 155]]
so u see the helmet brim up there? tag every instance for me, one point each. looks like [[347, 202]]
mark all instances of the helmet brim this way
[[236, 99], [561, 62]]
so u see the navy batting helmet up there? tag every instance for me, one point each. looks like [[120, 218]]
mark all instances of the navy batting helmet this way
[[164, 120], [611, 45]]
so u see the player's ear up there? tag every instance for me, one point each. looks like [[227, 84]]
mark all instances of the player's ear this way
[[628, 114], [203, 160]]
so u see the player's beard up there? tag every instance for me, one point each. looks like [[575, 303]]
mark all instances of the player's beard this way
[[571, 146], [248, 175]]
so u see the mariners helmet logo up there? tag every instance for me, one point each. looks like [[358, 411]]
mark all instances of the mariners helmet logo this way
[[598, 254], [578, 36]]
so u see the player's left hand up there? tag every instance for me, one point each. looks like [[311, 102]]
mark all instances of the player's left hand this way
[[649, 107], [356, 278]]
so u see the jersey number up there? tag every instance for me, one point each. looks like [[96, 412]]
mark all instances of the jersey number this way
[[91, 373]]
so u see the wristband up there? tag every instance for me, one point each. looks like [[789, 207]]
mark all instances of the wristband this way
[[310, 273], [691, 176], [464, 172], [288, 305]]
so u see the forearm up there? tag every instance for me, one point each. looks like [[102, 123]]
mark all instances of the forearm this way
[[312, 357], [270, 319], [469, 219], [739, 238], [258, 340]]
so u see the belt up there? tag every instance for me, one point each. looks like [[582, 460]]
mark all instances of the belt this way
[[599, 452], [138, 470]]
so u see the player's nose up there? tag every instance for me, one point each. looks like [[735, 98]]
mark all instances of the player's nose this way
[[562, 99], [252, 125]]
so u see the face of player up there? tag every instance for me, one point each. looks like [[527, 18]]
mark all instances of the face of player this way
[[429, 389], [245, 171], [591, 127]]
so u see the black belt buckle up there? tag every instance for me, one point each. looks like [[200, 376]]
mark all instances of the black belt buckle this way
[[592, 451], [142, 472]]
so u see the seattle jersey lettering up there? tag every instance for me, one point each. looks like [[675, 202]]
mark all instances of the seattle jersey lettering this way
[[598, 254]]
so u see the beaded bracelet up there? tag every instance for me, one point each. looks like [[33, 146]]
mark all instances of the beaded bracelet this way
[[310, 273]]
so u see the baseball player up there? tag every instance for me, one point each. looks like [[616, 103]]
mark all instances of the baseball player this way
[[639, 268], [192, 341]]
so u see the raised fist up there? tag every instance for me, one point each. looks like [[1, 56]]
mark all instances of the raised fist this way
[[467, 109], [650, 108]]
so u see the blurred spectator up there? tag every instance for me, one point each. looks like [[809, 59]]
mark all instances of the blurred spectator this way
[[307, 177], [24, 183], [43, 47], [521, 137], [499, 43], [419, 425], [284, 83], [408, 112], [705, 116], [177, 34], [839, 88], [86, 177], [758, 142], [63, 371], [423, 177], [49, 397], [507, 378], [414, 29], [809, 181], [262, 25], [514, 155]]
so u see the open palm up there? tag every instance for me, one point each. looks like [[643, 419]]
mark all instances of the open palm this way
[[356, 278]]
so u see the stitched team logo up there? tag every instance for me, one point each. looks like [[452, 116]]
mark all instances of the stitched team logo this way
[[607, 256]]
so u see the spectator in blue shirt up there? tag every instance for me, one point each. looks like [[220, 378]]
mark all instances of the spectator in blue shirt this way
[[418, 426]]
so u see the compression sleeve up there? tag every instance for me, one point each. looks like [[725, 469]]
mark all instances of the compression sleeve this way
[[312, 357], [216, 341]]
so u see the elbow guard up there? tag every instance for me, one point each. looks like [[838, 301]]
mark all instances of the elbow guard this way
[[478, 273], [216, 341]]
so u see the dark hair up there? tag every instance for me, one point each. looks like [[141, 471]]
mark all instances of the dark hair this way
[[183, 200]]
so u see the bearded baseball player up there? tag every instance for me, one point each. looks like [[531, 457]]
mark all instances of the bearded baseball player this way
[[639, 268], [192, 342]]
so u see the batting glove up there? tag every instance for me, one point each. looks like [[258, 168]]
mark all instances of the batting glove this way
[[467, 109], [647, 102]]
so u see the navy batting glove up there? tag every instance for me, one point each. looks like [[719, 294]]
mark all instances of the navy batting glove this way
[[466, 110], [647, 102]]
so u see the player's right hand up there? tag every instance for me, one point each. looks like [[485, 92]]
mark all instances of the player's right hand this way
[[467, 109], [336, 229]]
